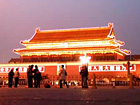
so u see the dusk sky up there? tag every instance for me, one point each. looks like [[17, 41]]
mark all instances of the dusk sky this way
[[20, 18]]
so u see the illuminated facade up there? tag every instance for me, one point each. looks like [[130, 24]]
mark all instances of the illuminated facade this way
[[51, 48], [69, 44]]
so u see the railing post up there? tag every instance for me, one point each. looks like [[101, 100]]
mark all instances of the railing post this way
[[94, 81], [3, 84], [130, 81], [113, 85]]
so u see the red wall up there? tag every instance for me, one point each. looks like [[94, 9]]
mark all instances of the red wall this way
[[51, 70], [72, 70], [120, 57], [138, 69]]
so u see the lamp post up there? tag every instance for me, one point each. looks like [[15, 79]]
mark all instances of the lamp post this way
[[129, 75]]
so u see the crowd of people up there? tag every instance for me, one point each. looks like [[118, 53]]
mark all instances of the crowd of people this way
[[34, 77]]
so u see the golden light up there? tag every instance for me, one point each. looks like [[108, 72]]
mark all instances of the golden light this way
[[85, 59]]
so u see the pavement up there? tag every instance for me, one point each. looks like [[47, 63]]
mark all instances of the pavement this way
[[75, 95]]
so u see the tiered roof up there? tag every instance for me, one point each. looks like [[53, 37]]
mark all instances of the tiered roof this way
[[97, 35], [69, 35]]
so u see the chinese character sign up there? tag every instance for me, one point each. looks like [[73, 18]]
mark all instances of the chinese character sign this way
[[102, 68], [21, 69]]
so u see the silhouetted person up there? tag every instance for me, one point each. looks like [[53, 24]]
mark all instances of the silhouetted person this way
[[35, 76], [47, 84], [62, 76], [16, 75], [30, 76], [84, 76], [10, 78], [38, 77]]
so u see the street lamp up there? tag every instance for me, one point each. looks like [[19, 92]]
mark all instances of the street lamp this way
[[129, 75], [85, 59]]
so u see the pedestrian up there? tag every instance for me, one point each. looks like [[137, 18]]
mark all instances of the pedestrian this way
[[38, 77], [35, 76], [16, 75], [62, 77], [30, 76], [47, 84], [10, 78], [84, 76]]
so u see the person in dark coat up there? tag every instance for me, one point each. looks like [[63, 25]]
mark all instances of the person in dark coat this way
[[30, 76], [35, 76], [38, 76], [84, 76], [10, 78], [16, 75]]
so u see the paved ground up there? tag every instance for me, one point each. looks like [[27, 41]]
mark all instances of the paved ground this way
[[70, 96]]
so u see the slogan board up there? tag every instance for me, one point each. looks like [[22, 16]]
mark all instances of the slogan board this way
[[21, 69], [103, 68]]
